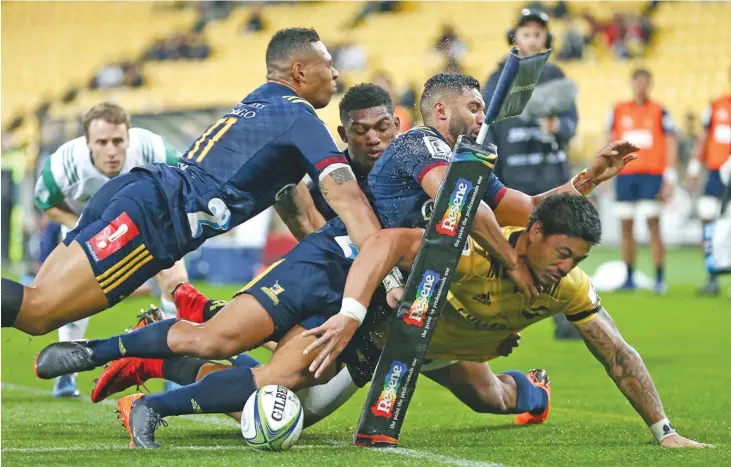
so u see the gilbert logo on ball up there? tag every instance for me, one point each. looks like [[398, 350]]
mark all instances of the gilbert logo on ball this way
[[272, 419]]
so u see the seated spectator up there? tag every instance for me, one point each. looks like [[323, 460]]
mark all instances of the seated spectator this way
[[450, 44], [255, 23], [572, 47], [195, 47], [350, 56], [382, 79], [370, 8], [108, 76], [133, 75]]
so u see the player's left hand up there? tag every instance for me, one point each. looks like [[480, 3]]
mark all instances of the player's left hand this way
[[677, 441], [336, 333], [610, 160]]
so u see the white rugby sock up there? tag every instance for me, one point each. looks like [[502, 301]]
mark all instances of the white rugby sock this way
[[324, 399], [168, 308], [73, 331]]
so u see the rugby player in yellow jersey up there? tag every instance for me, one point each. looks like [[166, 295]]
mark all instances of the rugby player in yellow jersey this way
[[484, 310]]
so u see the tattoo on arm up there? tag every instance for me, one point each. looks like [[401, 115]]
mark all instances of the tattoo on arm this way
[[339, 176], [624, 365]]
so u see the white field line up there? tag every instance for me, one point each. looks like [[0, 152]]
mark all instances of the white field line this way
[[413, 453]]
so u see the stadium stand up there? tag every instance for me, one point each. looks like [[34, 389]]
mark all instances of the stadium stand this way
[[690, 63]]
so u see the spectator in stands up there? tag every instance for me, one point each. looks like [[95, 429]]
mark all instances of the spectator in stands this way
[[382, 79], [133, 75], [108, 76], [255, 23], [533, 150], [370, 8], [350, 56], [450, 44], [573, 42], [195, 47], [643, 185]]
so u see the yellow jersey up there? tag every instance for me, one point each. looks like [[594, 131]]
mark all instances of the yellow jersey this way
[[484, 307]]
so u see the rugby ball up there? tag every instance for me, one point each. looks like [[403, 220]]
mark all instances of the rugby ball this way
[[272, 419]]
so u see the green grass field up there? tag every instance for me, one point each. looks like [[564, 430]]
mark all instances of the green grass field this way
[[684, 341]]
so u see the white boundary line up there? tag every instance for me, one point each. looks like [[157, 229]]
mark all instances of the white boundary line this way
[[214, 420]]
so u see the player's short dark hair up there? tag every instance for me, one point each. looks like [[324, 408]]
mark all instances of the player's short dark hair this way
[[445, 82], [107, 111], [286, 41], [364, 96], [641, 72], [570, 215]]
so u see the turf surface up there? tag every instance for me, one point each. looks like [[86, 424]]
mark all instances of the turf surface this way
[[684, 341]]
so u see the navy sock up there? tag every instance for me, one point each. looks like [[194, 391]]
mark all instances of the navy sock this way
[[212, 307], [630, 270], [222, 391], [530, 398], [245, 360], [712, 279], [659, 273], [182, 370], [150, 341], [12, 299]]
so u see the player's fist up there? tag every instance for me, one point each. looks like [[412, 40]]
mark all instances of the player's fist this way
[[393, 297], [610, 160], [677, 441]]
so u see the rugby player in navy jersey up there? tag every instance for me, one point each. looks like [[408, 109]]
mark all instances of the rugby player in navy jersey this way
[[306, 285], [142, 222]]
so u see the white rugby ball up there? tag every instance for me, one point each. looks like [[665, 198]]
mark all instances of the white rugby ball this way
[[272, 419]]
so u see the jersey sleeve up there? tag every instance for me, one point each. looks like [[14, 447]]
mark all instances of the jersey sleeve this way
[[316, 146], [47, 190], [578, 298], [155, 148], [668, 124], [419, 152], [495, 191]]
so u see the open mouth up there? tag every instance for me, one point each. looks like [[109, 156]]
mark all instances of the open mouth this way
[[375, 154]]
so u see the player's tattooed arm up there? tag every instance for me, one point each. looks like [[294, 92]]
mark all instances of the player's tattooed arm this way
[[623, 364], [343, 194], [297, 210]]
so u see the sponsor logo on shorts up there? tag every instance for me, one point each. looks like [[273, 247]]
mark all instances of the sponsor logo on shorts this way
[[273, 292], [448, 224], [483, 299], [113, 237], [420, 307], [386, 401]]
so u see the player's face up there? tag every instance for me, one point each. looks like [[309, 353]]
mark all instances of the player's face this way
[[368, 132], [641, 86], [319, 84], [552, 257], [530, 38], [108, 144], [467, 113]]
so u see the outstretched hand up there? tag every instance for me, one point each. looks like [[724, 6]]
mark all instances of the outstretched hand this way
[[610, 160]]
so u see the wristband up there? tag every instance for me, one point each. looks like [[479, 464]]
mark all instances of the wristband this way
[[670, 176], [352, 308], [694, 168], [662, 429], [393, 280], [585, 185]]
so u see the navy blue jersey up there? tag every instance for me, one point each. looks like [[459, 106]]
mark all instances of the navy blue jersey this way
[[394, 188], [320, 202], [395, 180], [235, 169]]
